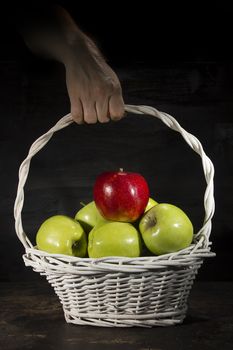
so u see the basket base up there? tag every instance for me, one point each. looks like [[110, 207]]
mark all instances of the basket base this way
[[122, 320], [112, 294]]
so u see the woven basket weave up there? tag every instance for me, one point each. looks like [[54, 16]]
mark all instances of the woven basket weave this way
[[116, 291]]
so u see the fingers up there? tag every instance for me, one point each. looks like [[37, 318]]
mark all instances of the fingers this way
[[90, 112], [102, 108], [77, 111], [116, 107], [90, 116], [83, 112], [102, 111]]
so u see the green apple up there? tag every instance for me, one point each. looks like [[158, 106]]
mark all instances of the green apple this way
[[151, 203], [61, 234], [165, 228], [88, 216], [114, 238]]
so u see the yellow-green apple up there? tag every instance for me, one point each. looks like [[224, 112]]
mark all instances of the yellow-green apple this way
[[151, 203], [61, 234], [114, 239], [88, 216], [121, 196], [165, 228]]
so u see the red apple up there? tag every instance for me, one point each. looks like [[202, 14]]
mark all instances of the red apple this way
[[121, 196]]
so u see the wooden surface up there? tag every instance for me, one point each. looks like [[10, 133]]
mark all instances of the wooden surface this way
[[31, 318]]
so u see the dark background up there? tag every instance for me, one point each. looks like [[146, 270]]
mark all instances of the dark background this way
[[175, 57]]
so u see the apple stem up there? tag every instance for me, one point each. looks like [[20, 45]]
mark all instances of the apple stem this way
[[83, 204], [121, 170]]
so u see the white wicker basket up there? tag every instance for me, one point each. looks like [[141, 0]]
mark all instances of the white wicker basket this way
[[115, 291]]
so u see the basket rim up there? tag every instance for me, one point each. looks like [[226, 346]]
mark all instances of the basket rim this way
[[49, 264], [182, 257]]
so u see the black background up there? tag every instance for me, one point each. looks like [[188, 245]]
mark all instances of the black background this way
[[173, 56]]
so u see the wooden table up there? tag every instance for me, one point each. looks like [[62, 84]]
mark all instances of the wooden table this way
[[31, 317]]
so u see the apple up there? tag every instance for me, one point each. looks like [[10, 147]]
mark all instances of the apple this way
[[88, 216], [165, 228], [61, 234], [114, 239], [121, 196], [151, 203]]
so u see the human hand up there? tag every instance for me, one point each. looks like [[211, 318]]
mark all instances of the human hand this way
[[94, 89]]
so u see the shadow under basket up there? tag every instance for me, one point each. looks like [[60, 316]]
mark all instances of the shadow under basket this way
[[118, 291]]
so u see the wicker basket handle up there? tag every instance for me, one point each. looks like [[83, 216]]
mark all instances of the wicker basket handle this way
[[171, 122]]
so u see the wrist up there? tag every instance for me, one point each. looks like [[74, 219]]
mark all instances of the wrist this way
[[81, 49]]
